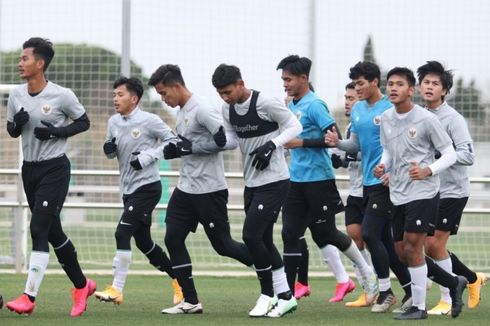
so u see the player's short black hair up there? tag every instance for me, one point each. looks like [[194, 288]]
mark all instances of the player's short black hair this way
[[436, 68], [404, 72], [367, 69], [133, 85], [350, 86], [295, 65], [225, 75], [42, 49], [168, 75]]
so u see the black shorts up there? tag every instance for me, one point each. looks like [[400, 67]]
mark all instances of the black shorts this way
[[450, 213], [46, 184], [354, 210], [140, 204], [417, 216], [265, 202], [377, 201], [209, 209], [312, 200]]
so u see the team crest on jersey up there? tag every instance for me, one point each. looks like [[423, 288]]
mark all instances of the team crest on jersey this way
[[412, 133], [377, 120], [46, 109], [135, 133]]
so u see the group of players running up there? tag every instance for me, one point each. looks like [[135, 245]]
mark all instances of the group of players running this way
[[407, 167]]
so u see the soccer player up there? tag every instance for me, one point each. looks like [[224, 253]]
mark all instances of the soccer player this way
[[409, 136], [330, 256], [313, 198], [136, 138], [435, 83], [376, 223], [260, 126], [201, 194], [354, 209], [41, 111]]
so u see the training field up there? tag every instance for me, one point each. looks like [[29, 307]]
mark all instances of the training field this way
[[226, 301]]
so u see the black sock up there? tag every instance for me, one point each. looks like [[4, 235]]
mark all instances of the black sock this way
[[291, 264], [439, 275], [265, 279], [31, 298], [285, 295], [186, 282], [67, 257], [408, 289], [160, 260], [461, 269], [303, 265]]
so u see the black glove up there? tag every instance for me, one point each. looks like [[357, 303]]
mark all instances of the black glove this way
[[46, 133], [135, 164], [170, 151], [21, 118], [184, 146], [263, 155], [220, 137], [336, 161], [110, 147], [437, 154]]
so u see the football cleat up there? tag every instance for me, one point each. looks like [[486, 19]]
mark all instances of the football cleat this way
[[457, 296], [412, 314], [110, 294], [442, 308], [80, 297], [301, 290], [342, 289], [283, 307], [406, 304], [385, 300], [178, 295], [262, 307], [21, 305], [474, 290], [184, 308], [360, 302]]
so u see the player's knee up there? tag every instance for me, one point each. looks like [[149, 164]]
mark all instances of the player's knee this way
[[123, 238], [39, 231], [290, 238], [144, 244], [251, 239], [172, 240]]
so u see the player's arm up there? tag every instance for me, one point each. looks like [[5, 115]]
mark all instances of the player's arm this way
[[16, 119], [162, 132], [448, 158], [212, 121], [462, 142], [110, 146], [50, 131]]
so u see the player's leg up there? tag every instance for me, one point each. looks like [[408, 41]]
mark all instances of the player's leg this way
[[180, 221], [213, 215], [376, 219], [301, 287], [354, 212], [295, 220]]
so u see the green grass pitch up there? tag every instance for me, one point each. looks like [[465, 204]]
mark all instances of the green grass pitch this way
[[226, 301]]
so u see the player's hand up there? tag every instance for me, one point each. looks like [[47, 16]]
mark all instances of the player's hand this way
[[294, 143], [417, 173], [385, 179], [184, 146], [110, 147], [336, 161], [332, 137], [437, 154], [263, 155], [220, 137], [379, 170], [21, 118], [170, 151], [45, 133], [135, 164]]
